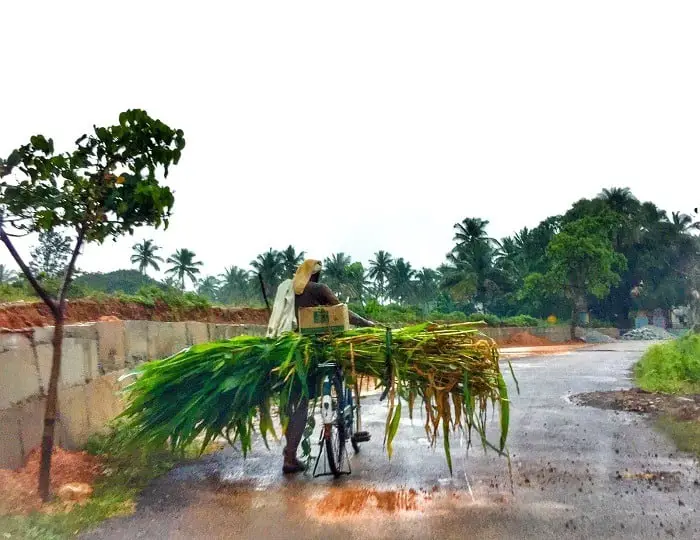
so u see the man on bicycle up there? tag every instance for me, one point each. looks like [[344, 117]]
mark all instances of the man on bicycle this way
[[308, 292]]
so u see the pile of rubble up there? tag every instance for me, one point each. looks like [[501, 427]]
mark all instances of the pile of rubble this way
[[589, 335], [647, 333]]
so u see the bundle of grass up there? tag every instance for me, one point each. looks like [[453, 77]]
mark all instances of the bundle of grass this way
[[227, 387]]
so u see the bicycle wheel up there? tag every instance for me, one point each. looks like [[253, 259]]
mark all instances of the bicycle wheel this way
[[351, 407], [336, 435]]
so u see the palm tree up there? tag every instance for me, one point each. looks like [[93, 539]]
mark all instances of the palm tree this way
[[379, 269], [470, 271], [335, 271], [681, 222], [208, 287], [269, 266], [290, 261], [6, 275], [401, 285], [471, 230], [620, 200], [356, 283], [426, 285], [235, 285], [509, 260], [183, 265], [145, 256]]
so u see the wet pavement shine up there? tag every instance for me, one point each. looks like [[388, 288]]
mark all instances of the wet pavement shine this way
[[577, 472]]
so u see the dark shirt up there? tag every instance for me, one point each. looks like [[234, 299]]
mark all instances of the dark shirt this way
[[318, 294]]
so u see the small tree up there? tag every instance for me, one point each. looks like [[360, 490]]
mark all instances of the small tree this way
[[103, 189], [582, 263], [51, 255]]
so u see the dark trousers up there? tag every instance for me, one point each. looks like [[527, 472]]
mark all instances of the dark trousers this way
[[298, 413]]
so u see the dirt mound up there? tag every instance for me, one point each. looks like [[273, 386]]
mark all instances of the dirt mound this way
[[524, 339], [18, 489], [636, 400], [24, 315]]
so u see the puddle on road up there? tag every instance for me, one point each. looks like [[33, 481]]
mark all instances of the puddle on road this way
[[340, 502]]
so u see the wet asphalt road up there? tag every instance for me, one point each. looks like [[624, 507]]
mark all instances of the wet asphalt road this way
[[576, 474]]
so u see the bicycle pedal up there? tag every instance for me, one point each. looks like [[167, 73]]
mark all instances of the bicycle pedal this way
[[362, 436]]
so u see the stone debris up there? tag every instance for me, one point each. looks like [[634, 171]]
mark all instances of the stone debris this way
[[647, 333], [593, 336]]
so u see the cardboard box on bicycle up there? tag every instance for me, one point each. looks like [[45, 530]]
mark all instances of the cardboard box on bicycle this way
[[324, 320]]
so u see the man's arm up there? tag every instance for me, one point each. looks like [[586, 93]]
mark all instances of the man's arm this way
[[330, 299]]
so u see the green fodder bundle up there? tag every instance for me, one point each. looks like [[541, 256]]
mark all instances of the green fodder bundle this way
[[231, 387]]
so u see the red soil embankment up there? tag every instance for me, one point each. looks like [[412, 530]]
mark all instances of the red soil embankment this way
[[19, 489], [24, 315], [524, 339]]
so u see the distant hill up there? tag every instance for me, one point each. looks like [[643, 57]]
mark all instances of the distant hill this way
[[126, 281]]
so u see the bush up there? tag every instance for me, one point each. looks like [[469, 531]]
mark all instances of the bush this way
[[173, 298], [521, 320], [124, 281], [488, 318], [389, 314], [14, 292], [672, 367], [454, 317]]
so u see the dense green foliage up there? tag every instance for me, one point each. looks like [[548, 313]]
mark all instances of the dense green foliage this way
[[671, 367], [609, 255], [125, 281]]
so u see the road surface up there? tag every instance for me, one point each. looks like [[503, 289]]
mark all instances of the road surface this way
[[578, 472]]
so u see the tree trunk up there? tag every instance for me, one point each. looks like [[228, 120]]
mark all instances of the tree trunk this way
[[573, 324], [50, 414]]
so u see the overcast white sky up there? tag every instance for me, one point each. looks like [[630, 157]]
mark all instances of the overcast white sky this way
[[387, 122]]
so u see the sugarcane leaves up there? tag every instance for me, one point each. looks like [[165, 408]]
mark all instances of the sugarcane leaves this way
[[512, 374], [393, 428], [446, 444], [505, 410], [222, 387]]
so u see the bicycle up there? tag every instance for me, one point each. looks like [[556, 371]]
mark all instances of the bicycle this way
[[340, 416]]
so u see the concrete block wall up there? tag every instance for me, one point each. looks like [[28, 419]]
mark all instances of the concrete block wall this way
[[555, 334], [95, 355]]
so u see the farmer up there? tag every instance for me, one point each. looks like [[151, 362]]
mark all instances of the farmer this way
[[301, 292]]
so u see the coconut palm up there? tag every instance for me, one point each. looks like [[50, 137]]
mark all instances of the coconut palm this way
[[235, 285], [470, 272], [401, 285], [471, 230], [426, 285], [335, 271], [379, 269], [681, 222], [270, 267], [508, 259], [356, 283], [145, 256], [620, 200], [183, 265], [209, 287], [290, 261]]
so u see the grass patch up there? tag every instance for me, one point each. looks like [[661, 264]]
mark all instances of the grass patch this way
[[127, 473], [672, 367], [685, 433]]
